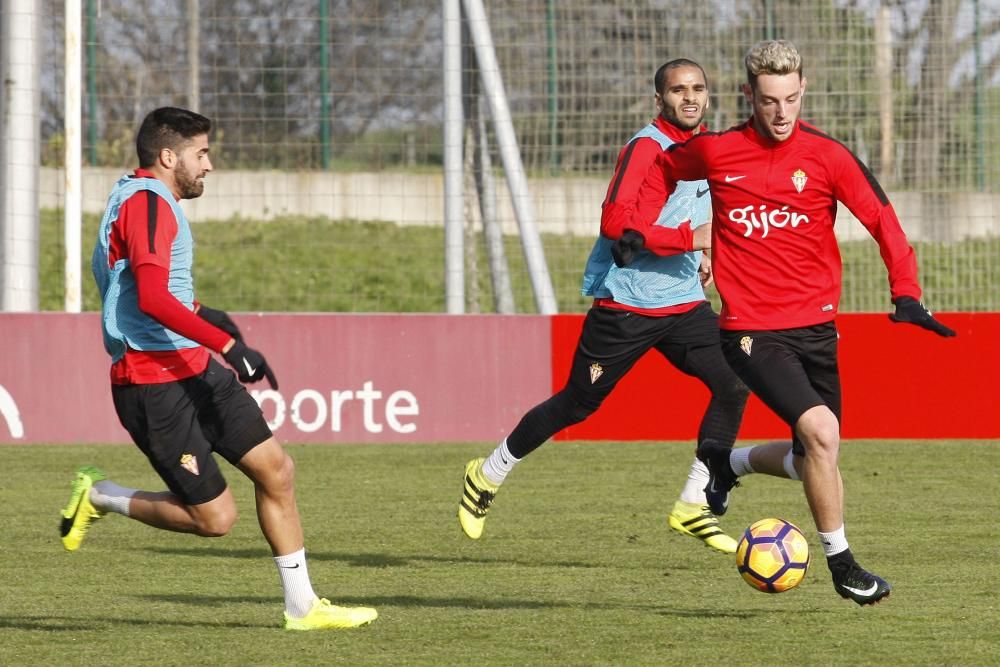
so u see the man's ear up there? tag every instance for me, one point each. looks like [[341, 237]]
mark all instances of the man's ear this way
[[747, 93], [167, 158]]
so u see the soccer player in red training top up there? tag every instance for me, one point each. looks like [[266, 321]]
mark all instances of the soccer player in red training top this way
[[180, 405], [775, 182], [656, 303]]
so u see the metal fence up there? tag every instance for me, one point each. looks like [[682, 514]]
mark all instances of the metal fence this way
[[312, 97]]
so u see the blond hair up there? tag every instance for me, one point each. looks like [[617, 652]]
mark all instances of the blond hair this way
[[776, 56]]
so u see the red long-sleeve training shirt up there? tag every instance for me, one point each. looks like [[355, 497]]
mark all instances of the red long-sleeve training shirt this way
[[775, 257], [634, 160]]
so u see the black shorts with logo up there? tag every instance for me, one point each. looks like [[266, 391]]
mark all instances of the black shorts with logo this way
[[790, 370], [614, 340], [178, 425]]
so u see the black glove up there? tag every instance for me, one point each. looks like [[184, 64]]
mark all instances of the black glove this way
[[910, 310], [249, 364], [220, 319], [625, 249]]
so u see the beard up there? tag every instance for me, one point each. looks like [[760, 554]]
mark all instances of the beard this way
[[188, 184], [681, 122]]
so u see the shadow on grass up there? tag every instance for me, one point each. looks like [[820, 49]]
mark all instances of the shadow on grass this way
[[76, 624], [742, 614], [368, 559], [475, 603], [374, 601]]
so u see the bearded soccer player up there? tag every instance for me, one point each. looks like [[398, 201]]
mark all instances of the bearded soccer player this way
[[775, 183], [655, 303], [178, 404]]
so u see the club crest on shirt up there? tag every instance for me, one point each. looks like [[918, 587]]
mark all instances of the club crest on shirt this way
[[596, 371], [799, 179], [190, 463], [746, 343]]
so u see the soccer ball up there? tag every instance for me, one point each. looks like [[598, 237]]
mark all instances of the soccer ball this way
[[772, 556]]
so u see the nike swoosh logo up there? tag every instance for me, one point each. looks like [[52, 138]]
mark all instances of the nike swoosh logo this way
[[858, 591], [712, 489], [250, 370], [701, 193], [290, 567], [730, 179]]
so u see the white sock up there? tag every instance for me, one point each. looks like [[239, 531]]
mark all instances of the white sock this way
[[739, 461], [299, 595], [789, 464], [499, 463], [833, 542], [106, 496], [694, 489]]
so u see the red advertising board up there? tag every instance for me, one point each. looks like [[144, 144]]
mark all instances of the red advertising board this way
[[447, 378], [342, 378], [898, 381]]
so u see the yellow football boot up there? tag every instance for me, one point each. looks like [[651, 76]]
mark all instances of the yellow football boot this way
[[695, 520], [79, 513], [325, 615], [476, 499]]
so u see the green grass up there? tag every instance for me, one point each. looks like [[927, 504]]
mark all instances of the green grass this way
[[576, 566], [315, 264]]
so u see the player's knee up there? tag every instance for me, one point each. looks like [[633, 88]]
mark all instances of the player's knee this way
[[217, 523], [819, 429], [284, 477], [573, 411], [278, 479], [733, 391], [580, 412], [567, 408], [216, 527]]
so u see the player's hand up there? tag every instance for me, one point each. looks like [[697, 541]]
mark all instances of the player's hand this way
[[627, 247], [701, 237], [249, 364], [912, 311], [220, 319], [705, 271]]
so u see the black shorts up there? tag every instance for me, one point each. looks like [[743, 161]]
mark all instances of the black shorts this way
[[178, 425], [790, 370], [614, 340]]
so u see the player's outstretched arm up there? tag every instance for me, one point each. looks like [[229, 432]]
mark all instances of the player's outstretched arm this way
[[911, 311], [664, 241]]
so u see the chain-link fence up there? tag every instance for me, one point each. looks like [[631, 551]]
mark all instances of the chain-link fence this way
[[332, 109]]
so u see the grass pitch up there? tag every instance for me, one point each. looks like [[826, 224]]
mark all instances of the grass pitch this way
[[577, 565]]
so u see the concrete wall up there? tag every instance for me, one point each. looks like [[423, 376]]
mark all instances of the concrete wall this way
[[563, 205]]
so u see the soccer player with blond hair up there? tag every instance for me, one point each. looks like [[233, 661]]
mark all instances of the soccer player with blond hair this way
[[775, 182]]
